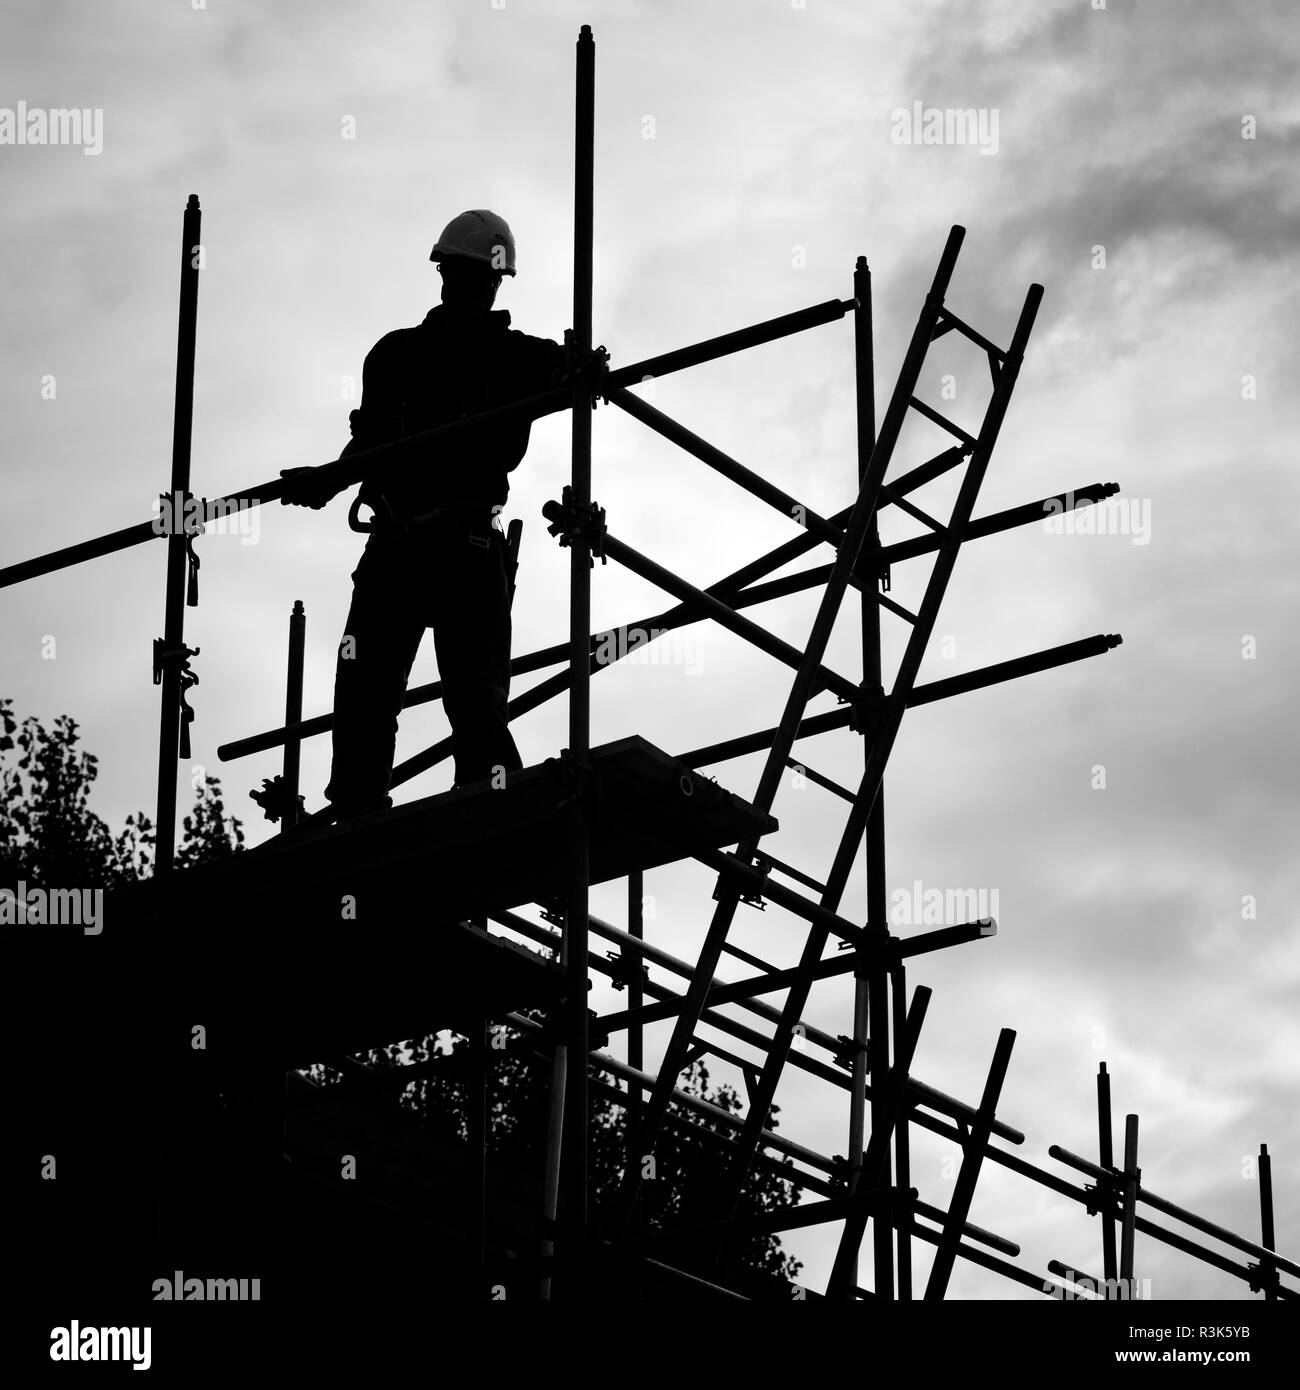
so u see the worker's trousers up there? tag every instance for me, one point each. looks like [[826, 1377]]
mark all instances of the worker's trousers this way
[[450, 575]]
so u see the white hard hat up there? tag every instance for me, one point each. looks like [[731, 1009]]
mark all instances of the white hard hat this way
[[478, 235]]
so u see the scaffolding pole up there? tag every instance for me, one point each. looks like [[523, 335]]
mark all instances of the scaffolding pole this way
[[569, 1106], [1268, 1271], [293, 712], [1106, 1158], [870, 999], [171, 656]]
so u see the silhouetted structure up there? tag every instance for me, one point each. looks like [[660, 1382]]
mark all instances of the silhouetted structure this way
[[294, 980]]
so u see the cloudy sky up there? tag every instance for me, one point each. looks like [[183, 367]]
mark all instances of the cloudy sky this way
[[1138, 162]]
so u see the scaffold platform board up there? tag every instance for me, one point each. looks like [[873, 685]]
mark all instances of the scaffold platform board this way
[[467, 851], [356, 934]]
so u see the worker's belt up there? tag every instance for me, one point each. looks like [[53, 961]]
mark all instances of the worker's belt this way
[[479, 521]]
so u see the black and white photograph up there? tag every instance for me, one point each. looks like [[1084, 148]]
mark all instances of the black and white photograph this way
[[650, 661]]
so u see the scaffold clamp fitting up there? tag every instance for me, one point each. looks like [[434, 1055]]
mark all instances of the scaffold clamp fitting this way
[[163, 654], [731, 879], [188, 679], [1105, 1194], [192, 556], [1264, 1278], [867, 712], [870, 566], [845, 1171], [590, 366], [848, 1050], [577, 524], [274, 799], [626, 969]]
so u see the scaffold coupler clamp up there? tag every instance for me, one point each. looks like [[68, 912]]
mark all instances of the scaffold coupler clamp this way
[[553, 911], [192, 557], [599, 375], [873, 949], [754, 898], [589, 366], [181, 513], [848, 1049], [188, 679], [274, 799], [1264, 1278], [577, 524], [867, 712], [626, 968], [871, 567], [1106, 1194], [163, 656], [729, 879], [847, 1175]]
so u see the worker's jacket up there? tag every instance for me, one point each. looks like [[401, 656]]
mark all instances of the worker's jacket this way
[[453, 365]]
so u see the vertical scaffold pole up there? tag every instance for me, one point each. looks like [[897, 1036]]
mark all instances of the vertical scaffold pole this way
[[635, 999], [870, 1009], [976, 1146], [1266, 1220], [172, 657], [1132, 1181], [1106, 1159], [567, 1132], [476, 1095], [902, 1145], [293, 712]]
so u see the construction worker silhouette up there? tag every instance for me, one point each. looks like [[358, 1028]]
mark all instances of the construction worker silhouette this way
[[436, 556]]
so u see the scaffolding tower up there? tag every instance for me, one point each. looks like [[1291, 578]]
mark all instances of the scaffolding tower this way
[[596, 815]]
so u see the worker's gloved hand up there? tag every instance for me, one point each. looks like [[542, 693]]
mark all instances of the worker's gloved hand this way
[[305, 487]]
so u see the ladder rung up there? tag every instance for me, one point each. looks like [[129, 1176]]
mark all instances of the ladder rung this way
[[947, 320], [700, 1047], [942, 421], [747, 958], [912, 510], [788, 870], [897, 608], [821, 781]]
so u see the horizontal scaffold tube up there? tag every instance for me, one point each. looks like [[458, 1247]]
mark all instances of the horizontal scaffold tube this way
[[919, 1093], [1189, 1218], [738, 590], [355, 467], [920, 695]]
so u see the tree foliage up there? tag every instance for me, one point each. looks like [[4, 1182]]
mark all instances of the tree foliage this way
[[49, 836], [688, 1160]]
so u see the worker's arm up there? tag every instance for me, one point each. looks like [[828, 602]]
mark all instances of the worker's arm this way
[[378, 421], [308, 487]]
